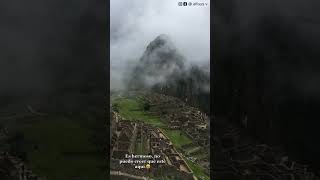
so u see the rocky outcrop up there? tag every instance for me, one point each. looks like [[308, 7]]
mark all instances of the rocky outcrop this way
[[162, 68]]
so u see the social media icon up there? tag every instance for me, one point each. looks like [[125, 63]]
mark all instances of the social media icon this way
[[179, 3], [185, 3], [190, 3]]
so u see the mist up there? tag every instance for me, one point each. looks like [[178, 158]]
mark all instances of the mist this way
[[135, 24]]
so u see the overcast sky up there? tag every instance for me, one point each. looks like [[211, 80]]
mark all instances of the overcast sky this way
[[136, 23]]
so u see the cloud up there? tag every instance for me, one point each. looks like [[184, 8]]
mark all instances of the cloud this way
[[136, 23]]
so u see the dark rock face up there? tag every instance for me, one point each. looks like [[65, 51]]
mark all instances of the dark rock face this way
[[266, 68], [53, 55], [158, 64], [163, 69]]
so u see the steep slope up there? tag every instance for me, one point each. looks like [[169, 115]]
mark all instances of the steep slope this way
[[162, 68], [160, 62]]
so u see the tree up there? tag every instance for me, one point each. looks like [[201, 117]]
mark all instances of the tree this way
[[115, 107], [146, 106]]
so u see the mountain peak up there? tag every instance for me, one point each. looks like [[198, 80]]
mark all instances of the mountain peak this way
[[162, 53], [160, 41], [163, 37]]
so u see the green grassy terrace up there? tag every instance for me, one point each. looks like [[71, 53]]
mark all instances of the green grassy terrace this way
[[132, 109]]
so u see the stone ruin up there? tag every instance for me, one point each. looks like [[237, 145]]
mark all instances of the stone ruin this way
[[191, 121], [180, 116], [128, 133]]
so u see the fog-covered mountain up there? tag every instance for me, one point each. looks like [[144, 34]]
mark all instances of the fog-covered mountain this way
[[162, 68]]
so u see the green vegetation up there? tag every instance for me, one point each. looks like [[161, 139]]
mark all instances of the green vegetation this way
[[146, 106], [115, 107], [193, 149], [177, 137], [197, 170], [138, 148], [132, 108], [62, 148]]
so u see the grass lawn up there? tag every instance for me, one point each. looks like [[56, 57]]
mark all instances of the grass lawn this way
[[131, 109], [193, 150], [197, 170], [177, 138], [138, 148], [64, 151]]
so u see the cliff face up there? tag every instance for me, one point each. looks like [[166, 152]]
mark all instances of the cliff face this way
[[160, 62], [266, 68], [162, 68]]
